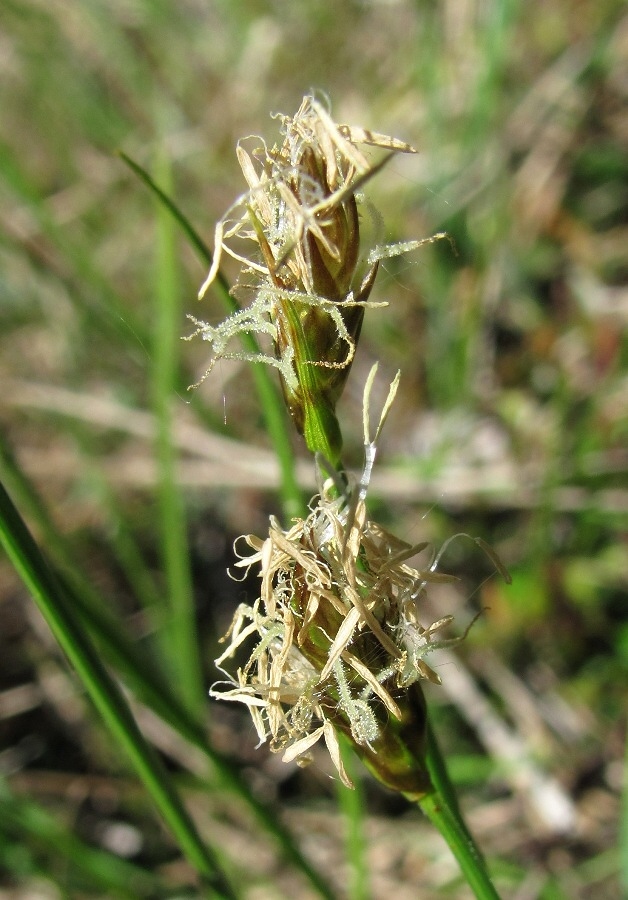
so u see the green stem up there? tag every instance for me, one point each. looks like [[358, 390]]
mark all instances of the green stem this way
[[321, 430], [441, 808]]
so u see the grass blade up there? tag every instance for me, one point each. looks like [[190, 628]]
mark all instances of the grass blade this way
[[103, 691]]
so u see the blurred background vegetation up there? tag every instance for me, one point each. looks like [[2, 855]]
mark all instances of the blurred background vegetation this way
[[511, 423]]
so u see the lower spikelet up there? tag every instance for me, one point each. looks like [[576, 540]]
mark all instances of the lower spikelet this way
[[335, 632]]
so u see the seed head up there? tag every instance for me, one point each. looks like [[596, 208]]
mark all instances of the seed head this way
[[296, 232], [337, 640]]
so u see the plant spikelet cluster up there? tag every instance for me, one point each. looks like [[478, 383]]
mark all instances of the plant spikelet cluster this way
[[335, 632], [306, 277]]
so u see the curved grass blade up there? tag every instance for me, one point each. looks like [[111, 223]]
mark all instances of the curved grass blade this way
[[103, 691]]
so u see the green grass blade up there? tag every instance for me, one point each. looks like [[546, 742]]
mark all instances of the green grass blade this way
[[179, 637], [103, 691], [270, 399]]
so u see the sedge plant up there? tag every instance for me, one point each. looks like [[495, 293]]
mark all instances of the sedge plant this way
[[335, 643]]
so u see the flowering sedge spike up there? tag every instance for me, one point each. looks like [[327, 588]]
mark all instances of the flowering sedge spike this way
[[297, 234], [334, 640]]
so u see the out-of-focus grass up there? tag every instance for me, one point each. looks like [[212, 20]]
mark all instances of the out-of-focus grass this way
[[511, 420]]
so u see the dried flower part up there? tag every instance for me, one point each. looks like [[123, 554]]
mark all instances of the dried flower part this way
[[337, 638], [296, 231]]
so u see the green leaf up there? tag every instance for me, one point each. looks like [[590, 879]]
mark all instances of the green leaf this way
[[102, 689]]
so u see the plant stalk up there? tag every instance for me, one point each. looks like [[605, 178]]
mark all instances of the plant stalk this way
[[441, 807]]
